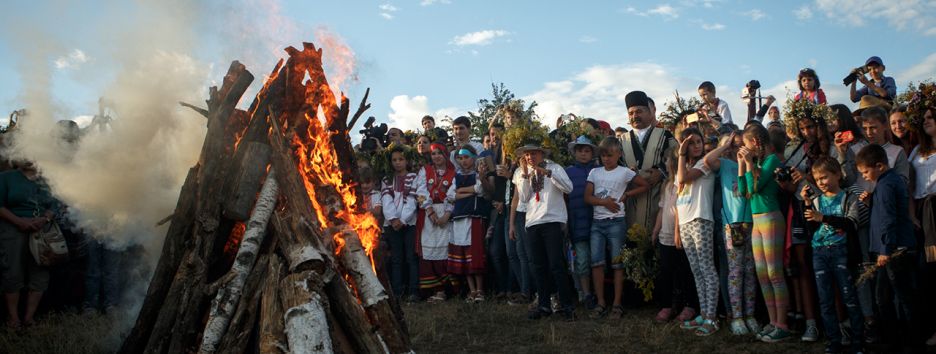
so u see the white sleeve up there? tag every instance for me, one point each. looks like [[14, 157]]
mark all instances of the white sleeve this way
[[386, 199], [560, 179], [422, 188]]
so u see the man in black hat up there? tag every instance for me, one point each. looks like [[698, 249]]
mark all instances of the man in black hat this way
[[881, 87], [645, 149]]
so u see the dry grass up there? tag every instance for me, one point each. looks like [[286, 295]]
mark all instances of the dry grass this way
[[455, 326], [66, 333]]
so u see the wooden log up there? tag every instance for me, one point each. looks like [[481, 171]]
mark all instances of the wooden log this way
[[305, 321], [174, 247], [249, 170], [272, 338], [246, 314], [353, 318], [230, 292]]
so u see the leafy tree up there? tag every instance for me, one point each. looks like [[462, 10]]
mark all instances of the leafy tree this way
[[488, 109]]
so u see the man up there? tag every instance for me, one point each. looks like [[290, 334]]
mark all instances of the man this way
[[498, 244], [645, 151], [461, 129], [881, 88], [713, 108], [438, 134], [619, 132], [543, 187]]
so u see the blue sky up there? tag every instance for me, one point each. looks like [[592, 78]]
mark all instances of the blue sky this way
[[440, 57]]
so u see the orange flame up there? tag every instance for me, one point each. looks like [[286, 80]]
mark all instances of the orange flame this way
[[234, 240]]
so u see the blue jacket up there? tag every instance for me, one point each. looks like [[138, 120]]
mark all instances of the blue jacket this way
[[890, 226], [580, 213]]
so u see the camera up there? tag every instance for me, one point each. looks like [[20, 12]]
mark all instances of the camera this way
[[853, 75], [784, 174], [374, 136]]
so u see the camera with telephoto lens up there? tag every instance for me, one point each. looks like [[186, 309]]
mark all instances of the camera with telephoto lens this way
[[374, 136], [784, 174], [853, 75]]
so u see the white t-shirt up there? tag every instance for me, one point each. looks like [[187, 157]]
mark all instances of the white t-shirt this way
[[925, 168], [695, 199], [723, 111], [610, 184], [667, 205], [517, 179]]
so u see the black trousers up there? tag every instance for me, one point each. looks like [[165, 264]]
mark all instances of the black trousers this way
[[547, 248]]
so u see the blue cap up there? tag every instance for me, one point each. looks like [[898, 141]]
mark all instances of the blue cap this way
[[581, 140], [874, 59]]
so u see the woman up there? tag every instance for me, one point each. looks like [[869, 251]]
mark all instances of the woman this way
[[923, 183], [423, 148], [25, 207], [432, 224], [901, 134]]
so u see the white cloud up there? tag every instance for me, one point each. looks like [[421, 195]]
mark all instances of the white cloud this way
[[387, 11], [479, 38], [919, 15], [803, 13], [433, 2], [599, 91], [921, 71], [713, 27], [587, 39], [406, 112], [665, 10], [755, 14], [72, 60]]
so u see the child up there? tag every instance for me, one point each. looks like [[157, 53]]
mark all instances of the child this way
[[809, 87], [834, 216], [367, 180], [757, 161], [398, 199], [893, 245], [695, 186], [434, 230], [737, 220], [466, 250], [676, 288], [580, 216], [607, 190]]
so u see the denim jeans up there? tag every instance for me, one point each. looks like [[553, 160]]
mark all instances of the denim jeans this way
[[404, 263], [607, 237], [519, 259], [497, 250], [547, 248], [830, 266], [101, 276]]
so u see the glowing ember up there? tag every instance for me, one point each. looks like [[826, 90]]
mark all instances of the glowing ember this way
[[234, 240]]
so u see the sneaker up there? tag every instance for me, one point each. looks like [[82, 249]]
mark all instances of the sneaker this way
[[871, 332], [518, 299], [479, 297], [811, 334], [766, 330], [753, 327], [437, 298], [693, 324], [664, 315], [590, 301], [738, 328], [535, 303], [554, 302], [777, 335]]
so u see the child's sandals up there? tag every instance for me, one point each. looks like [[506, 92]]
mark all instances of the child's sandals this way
[[437, 298], [707, 328], [693, 323], [617, 312], [598, 312]]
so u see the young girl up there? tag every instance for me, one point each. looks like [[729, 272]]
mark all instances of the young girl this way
[[809, 87], [434, 230], [695, 189], [737, 220], [398, 199], [466, 250], [674, 283], [756, 164]]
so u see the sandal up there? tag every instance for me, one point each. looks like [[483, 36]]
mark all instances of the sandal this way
[[693, 324], [707, 328], [438, 297], [598, 312], [664, 315], [479, 297], [617, 312]]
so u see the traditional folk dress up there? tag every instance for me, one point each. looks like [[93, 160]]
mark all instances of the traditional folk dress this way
[[641, 154], [466, 250], [432, 241]]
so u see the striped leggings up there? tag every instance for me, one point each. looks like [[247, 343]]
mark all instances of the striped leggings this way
[[767, 241], [697, 239]]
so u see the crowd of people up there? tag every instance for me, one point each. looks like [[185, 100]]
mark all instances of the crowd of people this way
[[820, 215]]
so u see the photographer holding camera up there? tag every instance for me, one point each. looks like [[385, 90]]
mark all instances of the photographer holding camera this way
[[879, 87]]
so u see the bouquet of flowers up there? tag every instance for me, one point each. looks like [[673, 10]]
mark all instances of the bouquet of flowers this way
[[640, 262], [918, 99]]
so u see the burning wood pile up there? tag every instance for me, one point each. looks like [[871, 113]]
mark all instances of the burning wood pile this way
[[269, 248]]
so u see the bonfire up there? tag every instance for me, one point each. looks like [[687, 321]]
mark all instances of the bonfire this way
[[269, 248]]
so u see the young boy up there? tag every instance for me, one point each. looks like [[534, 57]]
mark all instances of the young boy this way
[[834, 215], [713, 108], [580, 215], [606, 190], [893, 245]]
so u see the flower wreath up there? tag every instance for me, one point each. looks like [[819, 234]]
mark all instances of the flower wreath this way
[[796, 110], [918, 99]]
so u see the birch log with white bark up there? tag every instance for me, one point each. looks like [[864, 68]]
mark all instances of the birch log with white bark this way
[[222, 307]]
